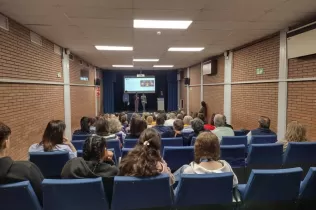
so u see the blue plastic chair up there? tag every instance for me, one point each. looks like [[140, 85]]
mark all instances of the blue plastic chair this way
[[125, 151], [239, 133], [178, 156], [80, 137], [271, 189], [171, 142], [264, 156], [235, 156], [17, 196], [50, 163], [78, 144], [79, 194], [235, 140], [114, 144], [187, 137], [193, 141], [79, 153], [152, 192], [263, 139], [194, 191], [307, 196], [130, 143], [300, 154]]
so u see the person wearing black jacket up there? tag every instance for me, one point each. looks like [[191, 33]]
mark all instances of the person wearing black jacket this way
[[17, 171]]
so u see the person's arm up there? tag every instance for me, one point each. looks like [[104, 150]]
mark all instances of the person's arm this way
[[67, 142], [36, 177], [249, 137]]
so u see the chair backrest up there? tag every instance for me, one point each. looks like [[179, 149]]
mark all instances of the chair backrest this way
[[80, 137], [193, 141], [130, 143], [146, 192], [196, 189], [178, 156], [125, 151], [79, 194], [233, 154], [300, 153], [120, 137], [114, 144], [239, 133], [187, 137], [263, 139], [18, 196], [78, 144], [265, 155], [171, 142], [79, 153], [50, 163], [234, 140], [308, 189], [273, 185]]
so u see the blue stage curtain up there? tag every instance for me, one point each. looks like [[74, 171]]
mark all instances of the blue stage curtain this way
[[172, 91], [109, 78]]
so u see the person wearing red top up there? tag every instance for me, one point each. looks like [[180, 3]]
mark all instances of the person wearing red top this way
[[210, 126]]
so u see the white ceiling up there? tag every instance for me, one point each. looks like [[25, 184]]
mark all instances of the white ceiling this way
[[218, 25]]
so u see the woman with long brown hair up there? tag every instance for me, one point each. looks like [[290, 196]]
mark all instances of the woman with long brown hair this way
[[54, 140], [145, 159]]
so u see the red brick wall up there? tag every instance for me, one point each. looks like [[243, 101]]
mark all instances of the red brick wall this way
[[250, 101], [214, 95], [195, 91], [74, 72], [301, 95]]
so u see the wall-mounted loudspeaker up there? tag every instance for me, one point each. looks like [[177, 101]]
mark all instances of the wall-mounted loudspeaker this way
[[97, 81], [187, 81]]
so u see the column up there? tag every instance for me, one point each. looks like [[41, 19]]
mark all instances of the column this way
[[202, 82], [227, 86], [188, 93], [67, 104]]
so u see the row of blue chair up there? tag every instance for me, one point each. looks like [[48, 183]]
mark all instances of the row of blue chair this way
[[265, 189]]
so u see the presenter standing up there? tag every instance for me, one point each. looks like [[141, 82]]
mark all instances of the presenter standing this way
[[125, 100], [143, 98], [136, 102]]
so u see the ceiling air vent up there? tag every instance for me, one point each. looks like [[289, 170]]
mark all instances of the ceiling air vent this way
[[71, 57], [36, 39], [57, 49], [4, 22]]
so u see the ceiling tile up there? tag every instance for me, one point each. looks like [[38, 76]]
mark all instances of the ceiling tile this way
[[169, 4]]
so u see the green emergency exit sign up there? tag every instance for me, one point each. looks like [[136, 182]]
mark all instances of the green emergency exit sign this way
[[259, 70]]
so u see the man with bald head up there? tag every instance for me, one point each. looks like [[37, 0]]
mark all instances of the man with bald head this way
[[221, 128], [264, 128]]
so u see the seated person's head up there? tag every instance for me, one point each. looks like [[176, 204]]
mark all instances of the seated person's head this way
[[180, 116], [5, 134], [295, 132], [219, 120], [102, 127], [85, 124], [142, 160], [123, 119], [145, 115], [154, 118], [206, 147], [92, 121], [115, 126], [160, 119], [53, 135], [94, 149], [178, 125], [201, 116], [150, 120], [172, 116], [264, 122], [187, 120], [137, 126], [197, 125]]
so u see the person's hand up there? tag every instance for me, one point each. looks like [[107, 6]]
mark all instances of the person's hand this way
[[66, 141]]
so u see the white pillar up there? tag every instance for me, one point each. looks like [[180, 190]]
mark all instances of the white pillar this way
[[282, 94], [179, 86], [188, 93], [228, 87], [95, 92], [202, 82], [67, 104]]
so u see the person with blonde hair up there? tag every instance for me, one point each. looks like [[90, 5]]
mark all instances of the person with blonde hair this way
[[295, 132], [149, 121]]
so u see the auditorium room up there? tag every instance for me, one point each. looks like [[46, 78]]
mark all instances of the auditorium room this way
[[157, 104]]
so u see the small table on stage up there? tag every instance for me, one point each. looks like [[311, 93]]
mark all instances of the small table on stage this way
[[161, 104]]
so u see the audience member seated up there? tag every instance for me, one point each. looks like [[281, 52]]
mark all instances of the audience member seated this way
[[96, 161], [116, 128], [154, 120], [264, 128], [54, 140], [171, 119], [92, 125], [197, 126], [180, 117], [295, 132], [177, 128], [221, 129], [187, 124], [210, 126], [144, 160], [17, 171], [165, 131], [103, 129], [85, 127], [137, 126], [206, 158], [123, 120], [227, 125], [150, 120]]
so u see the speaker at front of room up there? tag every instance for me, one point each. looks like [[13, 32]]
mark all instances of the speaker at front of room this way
[[187, 81], [97, 82]]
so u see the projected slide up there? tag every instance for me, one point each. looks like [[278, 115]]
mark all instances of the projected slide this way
[[139, 84]]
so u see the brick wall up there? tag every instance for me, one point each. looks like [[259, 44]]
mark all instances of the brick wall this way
[[301, 95], [195, 91], [250, 101]]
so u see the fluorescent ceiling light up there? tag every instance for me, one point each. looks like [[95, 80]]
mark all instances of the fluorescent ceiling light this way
[[186, 49], [123, 66], [163, 66], [145, 60], [162, 24], [114, 48]]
